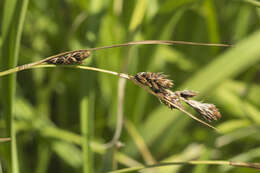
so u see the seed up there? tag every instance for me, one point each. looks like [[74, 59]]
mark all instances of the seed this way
[[70, 58]]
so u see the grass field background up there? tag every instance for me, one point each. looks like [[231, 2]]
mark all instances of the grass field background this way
[[59, 118]]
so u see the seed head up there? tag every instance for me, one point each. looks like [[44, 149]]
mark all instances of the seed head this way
[[186, 94], [160, 87], [70, 58], [171, 99], [158, 82], [208, 111]]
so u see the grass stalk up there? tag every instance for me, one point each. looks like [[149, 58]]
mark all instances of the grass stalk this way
[[120, 112], [129, 77], [195, 162], [144, 42]]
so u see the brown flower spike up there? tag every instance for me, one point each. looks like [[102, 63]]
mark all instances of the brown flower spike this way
[[208, 111], [160, 85], [75, 57], [158, 82], [172, 100]]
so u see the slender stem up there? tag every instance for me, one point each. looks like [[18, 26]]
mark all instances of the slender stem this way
[[161, 42], [195, 162], [126, 76], [5, 139], [144, 42], [120, 117], [14, 70]]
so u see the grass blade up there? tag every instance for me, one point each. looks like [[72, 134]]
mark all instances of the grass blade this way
[[252, 2], [84, 123], [10, 50], [138, 14], [9, 7], [231, 63]]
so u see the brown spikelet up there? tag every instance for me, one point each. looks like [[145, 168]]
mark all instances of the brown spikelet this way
[[186, 94], [70, 58], [158, 82], [171, 99], [158, 85], [208, 111]]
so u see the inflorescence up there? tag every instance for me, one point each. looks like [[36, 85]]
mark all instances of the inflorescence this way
[[160, 85]]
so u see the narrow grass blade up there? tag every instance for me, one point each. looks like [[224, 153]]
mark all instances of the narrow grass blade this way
[[170, 5], [68, 152], [138, 14], [43, 156], [252, 2], [10, 51], [229, 64], [8, 11], [212, 22], [87, 101], [250, 155], [139, 141], [84, 123]]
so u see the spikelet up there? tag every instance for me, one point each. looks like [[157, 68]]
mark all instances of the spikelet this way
[[208, 111], [171, 99], [158, 82], [70, 58], [187, 94], [160, 85]]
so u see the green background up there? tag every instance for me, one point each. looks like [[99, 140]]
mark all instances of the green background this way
[[55, 110]]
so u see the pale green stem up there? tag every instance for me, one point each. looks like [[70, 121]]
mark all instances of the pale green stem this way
[[195, 162]]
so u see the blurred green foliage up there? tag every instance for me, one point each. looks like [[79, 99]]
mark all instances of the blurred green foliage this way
[[51, 103]]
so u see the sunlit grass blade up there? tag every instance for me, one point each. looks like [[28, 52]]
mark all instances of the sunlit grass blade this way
[[138, 14], [68, 152], [212, 22], [170, 5], [236, 135], [44, 157], [252, 2], [139, 141], [191, 152], [1, 170], [85, 131], [206, 155], [247, 156], [8, 11], [228, 64], [87, 101]]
